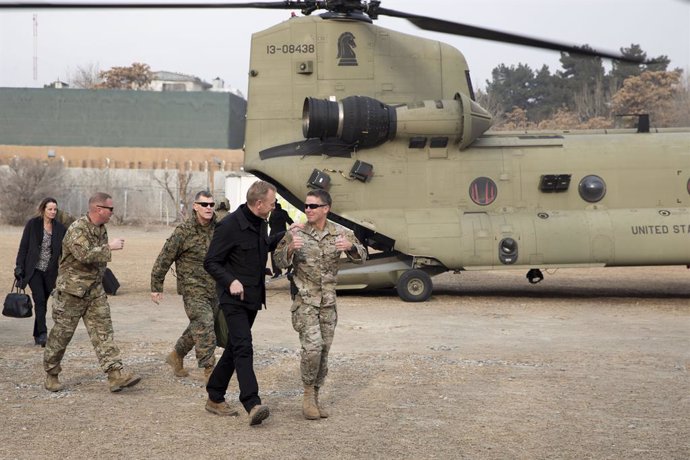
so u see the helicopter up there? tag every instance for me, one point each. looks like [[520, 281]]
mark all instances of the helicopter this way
[[388, 124]]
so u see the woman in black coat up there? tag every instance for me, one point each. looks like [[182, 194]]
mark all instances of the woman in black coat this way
[[37, 261]]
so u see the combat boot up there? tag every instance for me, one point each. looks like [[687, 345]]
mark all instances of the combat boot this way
[[220, 408], [322, 409], [258, 414], [53, 384], [309, 409], [120, 379], [177, 364]]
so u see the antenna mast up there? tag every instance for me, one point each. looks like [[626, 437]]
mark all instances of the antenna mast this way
[[35, 46]]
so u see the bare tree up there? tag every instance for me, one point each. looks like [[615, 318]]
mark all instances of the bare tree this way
[[489, 101], [177, 186], [86, 77], [24, 183], [679, 112]]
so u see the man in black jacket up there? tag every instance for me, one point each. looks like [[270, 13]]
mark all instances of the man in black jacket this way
[[236, 259]]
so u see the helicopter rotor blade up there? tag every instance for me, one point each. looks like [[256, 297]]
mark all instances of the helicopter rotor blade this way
[[465, 30], [372, 9], [153, 5]]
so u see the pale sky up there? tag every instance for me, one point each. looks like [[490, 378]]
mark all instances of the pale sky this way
[[215, 43]]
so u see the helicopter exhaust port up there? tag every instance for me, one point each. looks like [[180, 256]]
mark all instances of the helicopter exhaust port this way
[[356, 120], [364, 122]]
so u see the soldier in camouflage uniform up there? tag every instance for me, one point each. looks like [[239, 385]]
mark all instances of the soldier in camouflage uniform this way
[[222, 209], [187, 247], [65, 218], [314, 251], [79, 294]]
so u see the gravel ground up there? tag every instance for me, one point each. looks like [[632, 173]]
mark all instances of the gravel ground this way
[[590, 363]]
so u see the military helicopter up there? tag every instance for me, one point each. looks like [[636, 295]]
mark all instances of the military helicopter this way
[[388, 124]]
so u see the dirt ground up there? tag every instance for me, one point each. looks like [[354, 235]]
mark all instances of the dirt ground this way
[[591, 363]]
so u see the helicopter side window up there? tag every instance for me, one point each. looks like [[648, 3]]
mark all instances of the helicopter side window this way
[[438, 142], [417, 143], [592, 188], [483, 191]]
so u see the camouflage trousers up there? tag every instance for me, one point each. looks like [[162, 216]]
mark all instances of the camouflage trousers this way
[[199, 334], [316, 328], [67, 311]]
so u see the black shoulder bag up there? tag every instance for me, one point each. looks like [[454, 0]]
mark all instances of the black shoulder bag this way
[[17, 303]]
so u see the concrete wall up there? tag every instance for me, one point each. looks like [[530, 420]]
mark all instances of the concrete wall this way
[[129, 158], [139, 196]]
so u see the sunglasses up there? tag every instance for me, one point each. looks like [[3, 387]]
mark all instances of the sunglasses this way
[[314, 206], [109, 208], [205, 205]]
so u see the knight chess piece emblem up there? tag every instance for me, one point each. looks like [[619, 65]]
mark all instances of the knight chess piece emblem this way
[[346, 52]]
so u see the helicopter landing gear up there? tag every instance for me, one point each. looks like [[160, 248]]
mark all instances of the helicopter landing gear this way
[[534, 275], [414, 286]]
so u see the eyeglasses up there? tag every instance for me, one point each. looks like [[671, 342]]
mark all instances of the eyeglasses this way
[[204, 204], [314, 206], [109, 208]]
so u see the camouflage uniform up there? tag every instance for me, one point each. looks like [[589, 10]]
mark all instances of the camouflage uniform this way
[[65, 218], [314, 313], [79, 294], [187, 247], [222, 209]]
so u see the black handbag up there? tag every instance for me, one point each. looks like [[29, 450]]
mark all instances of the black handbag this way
[[17, 303]]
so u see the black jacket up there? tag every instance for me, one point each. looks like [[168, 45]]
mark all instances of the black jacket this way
[[238, 251], [30, 250]]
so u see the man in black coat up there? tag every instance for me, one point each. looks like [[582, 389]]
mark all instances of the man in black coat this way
[[236, 259]]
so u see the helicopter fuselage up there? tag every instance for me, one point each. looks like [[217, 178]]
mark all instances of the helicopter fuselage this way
[[439, 188]]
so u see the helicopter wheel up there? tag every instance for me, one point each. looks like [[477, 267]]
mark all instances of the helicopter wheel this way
[[414, 286]]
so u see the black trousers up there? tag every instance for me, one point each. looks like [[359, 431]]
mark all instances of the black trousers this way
[[238, 357], [40, 292]]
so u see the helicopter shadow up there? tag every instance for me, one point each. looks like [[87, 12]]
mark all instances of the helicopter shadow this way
[[633, 289]]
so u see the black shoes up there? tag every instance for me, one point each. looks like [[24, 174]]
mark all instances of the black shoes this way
[[41, 339]]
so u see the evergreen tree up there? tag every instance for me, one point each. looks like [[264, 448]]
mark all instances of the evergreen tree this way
[[584, 78], [621, 70], [512, 86], [549, 95], [577, 95]]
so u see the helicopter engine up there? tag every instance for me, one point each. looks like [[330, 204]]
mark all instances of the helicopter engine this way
[[366, 122]]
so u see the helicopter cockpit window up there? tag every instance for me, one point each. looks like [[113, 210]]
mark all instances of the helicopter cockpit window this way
[[592, 188], [483, 191], [469, 84]]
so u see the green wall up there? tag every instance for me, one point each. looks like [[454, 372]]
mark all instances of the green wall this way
[[117, 118]]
